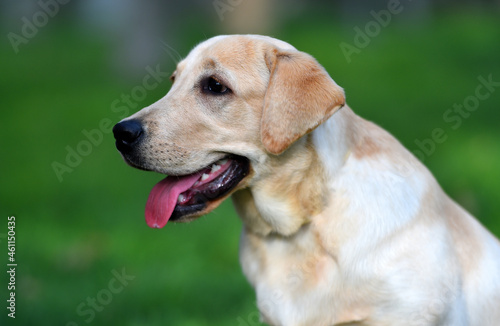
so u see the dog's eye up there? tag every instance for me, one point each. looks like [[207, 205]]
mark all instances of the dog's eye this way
[[212, 85]]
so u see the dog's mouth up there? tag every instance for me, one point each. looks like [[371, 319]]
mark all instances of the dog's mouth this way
[[181, 198]]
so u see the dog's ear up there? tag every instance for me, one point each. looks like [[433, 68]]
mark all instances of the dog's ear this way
[[300, 96]]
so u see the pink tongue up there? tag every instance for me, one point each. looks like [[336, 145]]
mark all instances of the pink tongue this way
[[163, 198]]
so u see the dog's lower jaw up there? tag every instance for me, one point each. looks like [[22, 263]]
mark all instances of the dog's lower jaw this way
[[244, 205], [288, 196], [258, 216]]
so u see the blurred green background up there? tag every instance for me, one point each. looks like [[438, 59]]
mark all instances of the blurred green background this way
[[67, 74]]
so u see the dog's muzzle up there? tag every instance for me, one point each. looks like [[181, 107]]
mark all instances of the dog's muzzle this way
[[181, 197]]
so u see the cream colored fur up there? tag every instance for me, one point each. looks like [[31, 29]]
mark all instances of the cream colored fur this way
[[341, 224]]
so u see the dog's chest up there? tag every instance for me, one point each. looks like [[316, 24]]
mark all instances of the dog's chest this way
[[296, 281]]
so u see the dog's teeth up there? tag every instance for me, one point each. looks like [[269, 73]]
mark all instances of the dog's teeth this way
[[196, 183], [204, 177], [215, 168], [222, 162], [181, 198]]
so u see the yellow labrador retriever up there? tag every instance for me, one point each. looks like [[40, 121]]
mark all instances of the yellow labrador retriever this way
[[342, 225]]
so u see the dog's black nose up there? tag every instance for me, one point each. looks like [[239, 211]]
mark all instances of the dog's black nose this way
[[127, 133]]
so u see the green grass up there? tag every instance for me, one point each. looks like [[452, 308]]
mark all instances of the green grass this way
[[72, 234]]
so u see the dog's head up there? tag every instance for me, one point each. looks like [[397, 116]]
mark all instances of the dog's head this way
[[235, 102]]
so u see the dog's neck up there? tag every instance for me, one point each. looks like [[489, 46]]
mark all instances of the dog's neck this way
[[292, 190], [335, 139]]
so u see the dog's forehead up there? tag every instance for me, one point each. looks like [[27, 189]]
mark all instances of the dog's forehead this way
[[241, 40], [239, 43], [229, 49]]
